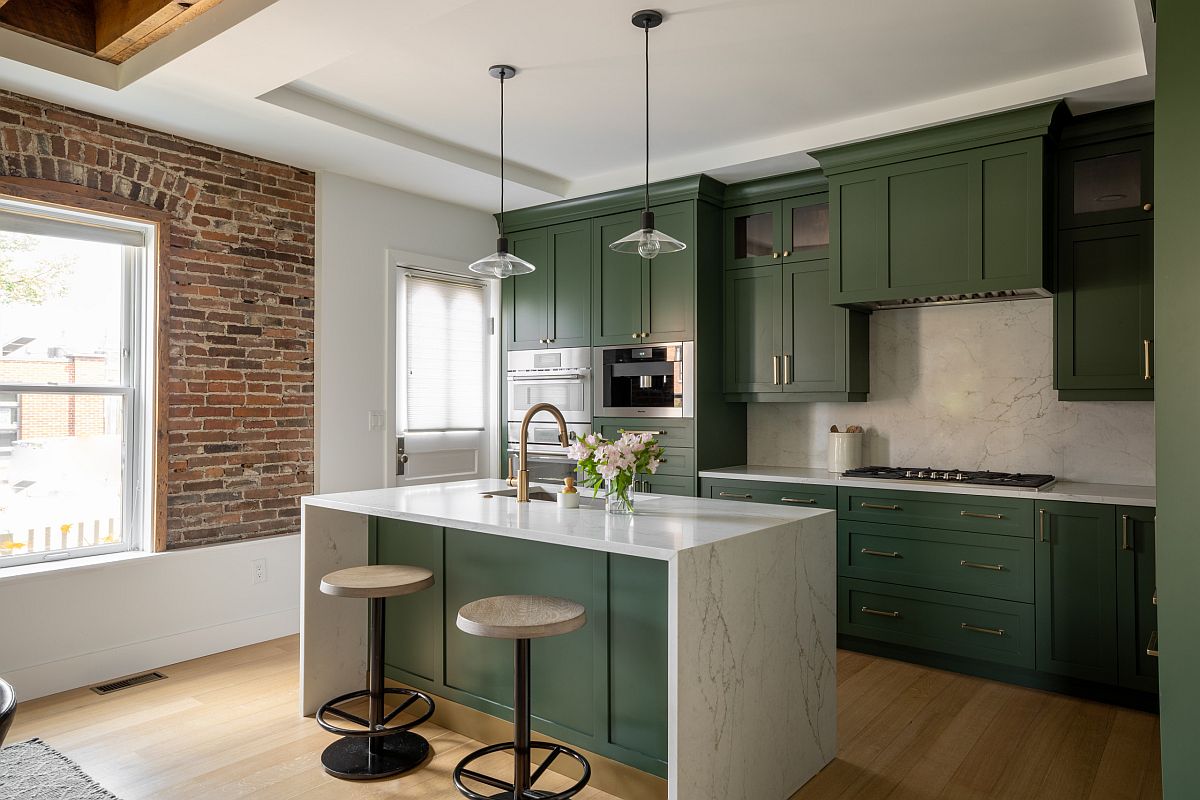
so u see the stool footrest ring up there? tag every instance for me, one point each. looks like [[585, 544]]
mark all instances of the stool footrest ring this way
[[330, 708], [507, 789]]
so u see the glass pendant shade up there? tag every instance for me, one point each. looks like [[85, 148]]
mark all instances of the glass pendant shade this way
[[648, 242], [501, 264]]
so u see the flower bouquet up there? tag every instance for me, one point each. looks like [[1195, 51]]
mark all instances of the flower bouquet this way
[[615, 465]]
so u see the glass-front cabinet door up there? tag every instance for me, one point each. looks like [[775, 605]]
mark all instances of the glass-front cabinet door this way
[[805, 228], [1107, 182], [752, 235]]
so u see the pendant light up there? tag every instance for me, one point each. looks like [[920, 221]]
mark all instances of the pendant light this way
[[646, 241], [502, 264]]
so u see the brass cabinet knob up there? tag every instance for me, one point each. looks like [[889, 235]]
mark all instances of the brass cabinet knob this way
[[787, 253], [636, 335], [774, 255], [1148, 207]]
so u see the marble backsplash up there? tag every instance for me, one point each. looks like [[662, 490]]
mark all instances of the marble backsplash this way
[[967, 387]]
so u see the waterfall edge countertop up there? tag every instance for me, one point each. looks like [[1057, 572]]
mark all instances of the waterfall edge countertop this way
[[1069, 491], [663, 526]]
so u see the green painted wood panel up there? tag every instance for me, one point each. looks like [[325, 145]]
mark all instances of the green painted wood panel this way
[[815, 333], [1077, 590], [679, 461], [858, 239], [957, 512], [526, 297], [754, 328], [667, 432], [943, 622], [637, 654], [805, 223], [675, 485], [929, 222], [413, 633], [979, 564], [569, 316], [616, 282], [1137, 616], [668, 294], [1104, 312], [1009, 180], [1107, 182], [802, 495], [753, 235]]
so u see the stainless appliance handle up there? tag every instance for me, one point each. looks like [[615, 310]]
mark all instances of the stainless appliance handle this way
[[572, 376]]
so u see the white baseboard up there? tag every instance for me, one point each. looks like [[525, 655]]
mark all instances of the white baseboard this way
[[92, 668]]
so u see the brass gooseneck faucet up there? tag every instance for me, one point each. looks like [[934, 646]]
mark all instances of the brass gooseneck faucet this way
[[523, 466]]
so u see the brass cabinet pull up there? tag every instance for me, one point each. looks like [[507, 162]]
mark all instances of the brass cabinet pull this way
[[892, 614], [977, 565], [652, 433], [805, 501], [866, 551], [738, 496], [976, 515], [977, 629], [774, 370], [1041, 524], [1125, 544], [787, 253], [878, 507], [787, 370], [1152, 645], [1148, 207], [1146, 373]]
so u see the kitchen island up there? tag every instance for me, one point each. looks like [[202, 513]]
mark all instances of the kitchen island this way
[[708, 658]]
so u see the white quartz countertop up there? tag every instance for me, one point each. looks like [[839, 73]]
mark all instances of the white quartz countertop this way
[[1070, 491], [662, 527]]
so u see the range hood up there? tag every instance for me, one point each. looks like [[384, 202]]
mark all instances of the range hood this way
[[955, 299]]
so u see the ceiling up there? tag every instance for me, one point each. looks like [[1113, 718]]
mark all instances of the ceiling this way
[[397, 91]]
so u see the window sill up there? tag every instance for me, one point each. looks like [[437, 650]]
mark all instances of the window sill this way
[[30, 571]]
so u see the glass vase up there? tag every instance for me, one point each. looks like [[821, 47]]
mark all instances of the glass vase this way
[[614, 503]]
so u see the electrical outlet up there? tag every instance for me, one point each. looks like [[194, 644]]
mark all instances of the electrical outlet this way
[[259, 566]]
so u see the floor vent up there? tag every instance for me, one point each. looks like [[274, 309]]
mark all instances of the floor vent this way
[[125, 683]]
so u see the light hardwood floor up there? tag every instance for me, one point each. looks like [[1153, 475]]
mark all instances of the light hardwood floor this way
[[226, 726]]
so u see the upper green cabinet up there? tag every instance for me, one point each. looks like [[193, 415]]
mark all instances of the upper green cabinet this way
[[946, 213], [1106, 168], [644, 300], [550, 307], [784, 231], [1104, 313]]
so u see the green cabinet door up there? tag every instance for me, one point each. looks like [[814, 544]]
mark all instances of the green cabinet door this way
[[616, 282], [569, 314], [668, 294], [413, 624], [805, 228], [1076, 590], [1137, 615], [754, 329], [527, 297], [637, 655], [753, 235], [1108, 182], [824, 346], [1104, 313]]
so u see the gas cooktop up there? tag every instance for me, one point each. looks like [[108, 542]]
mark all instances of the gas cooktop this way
[[1007, 480]]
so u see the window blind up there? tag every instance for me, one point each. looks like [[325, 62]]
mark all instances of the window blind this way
[[445, 356], [65, 226]]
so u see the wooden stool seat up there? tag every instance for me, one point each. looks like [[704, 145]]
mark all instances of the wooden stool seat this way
[[521, 616], [377, 580]]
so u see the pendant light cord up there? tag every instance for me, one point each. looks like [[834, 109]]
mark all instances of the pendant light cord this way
[[502, 153], [647, 29]]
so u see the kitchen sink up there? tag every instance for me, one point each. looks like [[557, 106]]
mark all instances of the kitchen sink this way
[[537, 493]]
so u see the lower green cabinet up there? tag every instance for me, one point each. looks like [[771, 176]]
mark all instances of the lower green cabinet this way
[[1076, 594], [1137, 614], [678, 485], [802, 495], [413, 627]]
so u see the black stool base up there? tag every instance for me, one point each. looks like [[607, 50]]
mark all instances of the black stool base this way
[[529, 795], [350, 757]]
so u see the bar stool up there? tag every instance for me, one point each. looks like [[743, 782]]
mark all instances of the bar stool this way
[[377, 750], [522, 618], [8, 708]]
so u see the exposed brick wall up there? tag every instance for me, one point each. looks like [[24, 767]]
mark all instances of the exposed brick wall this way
[[241, 307]]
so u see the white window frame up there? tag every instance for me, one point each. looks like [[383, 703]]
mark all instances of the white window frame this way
[[138, 384]]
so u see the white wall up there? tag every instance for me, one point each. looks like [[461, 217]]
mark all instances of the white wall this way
[[357, 223], [967, 387], [80, 625]]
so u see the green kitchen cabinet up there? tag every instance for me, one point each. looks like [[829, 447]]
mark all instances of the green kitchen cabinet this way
[[550, 307], [783, 341], [1137, 614], [1106, 182], [1104, 313], [413, 623], [803, 495], [1076, 590], [644, 300], [944, 213], [637, 654], [676, 485], [783, 231]]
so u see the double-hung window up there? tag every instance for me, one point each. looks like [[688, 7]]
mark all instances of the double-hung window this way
[[76, 359]]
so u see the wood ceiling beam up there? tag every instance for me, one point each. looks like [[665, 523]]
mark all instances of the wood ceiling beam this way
[[63, 22], [122, 24]]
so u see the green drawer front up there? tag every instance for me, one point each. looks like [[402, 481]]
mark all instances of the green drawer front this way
[[1011, 516], [953, 561], [667, 432], [1000, 631], [678, 461], [803, 495], [668, 484]]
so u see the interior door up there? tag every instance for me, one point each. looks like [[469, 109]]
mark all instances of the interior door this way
[[445, 378]]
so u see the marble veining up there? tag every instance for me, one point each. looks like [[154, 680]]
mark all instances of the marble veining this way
[[967, 387]]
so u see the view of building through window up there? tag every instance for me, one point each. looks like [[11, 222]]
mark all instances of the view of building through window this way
[[65, 393]]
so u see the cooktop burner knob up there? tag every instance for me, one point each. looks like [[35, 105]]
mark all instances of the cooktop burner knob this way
[[934, 474], [921, 474], [960, 477], [908, 473]]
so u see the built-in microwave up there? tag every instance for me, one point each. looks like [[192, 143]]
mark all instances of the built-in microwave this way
[[560, 377], [645, 380]]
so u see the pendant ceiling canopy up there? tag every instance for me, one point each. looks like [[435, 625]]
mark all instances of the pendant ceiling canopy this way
[[502, 264], [648, 242]]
